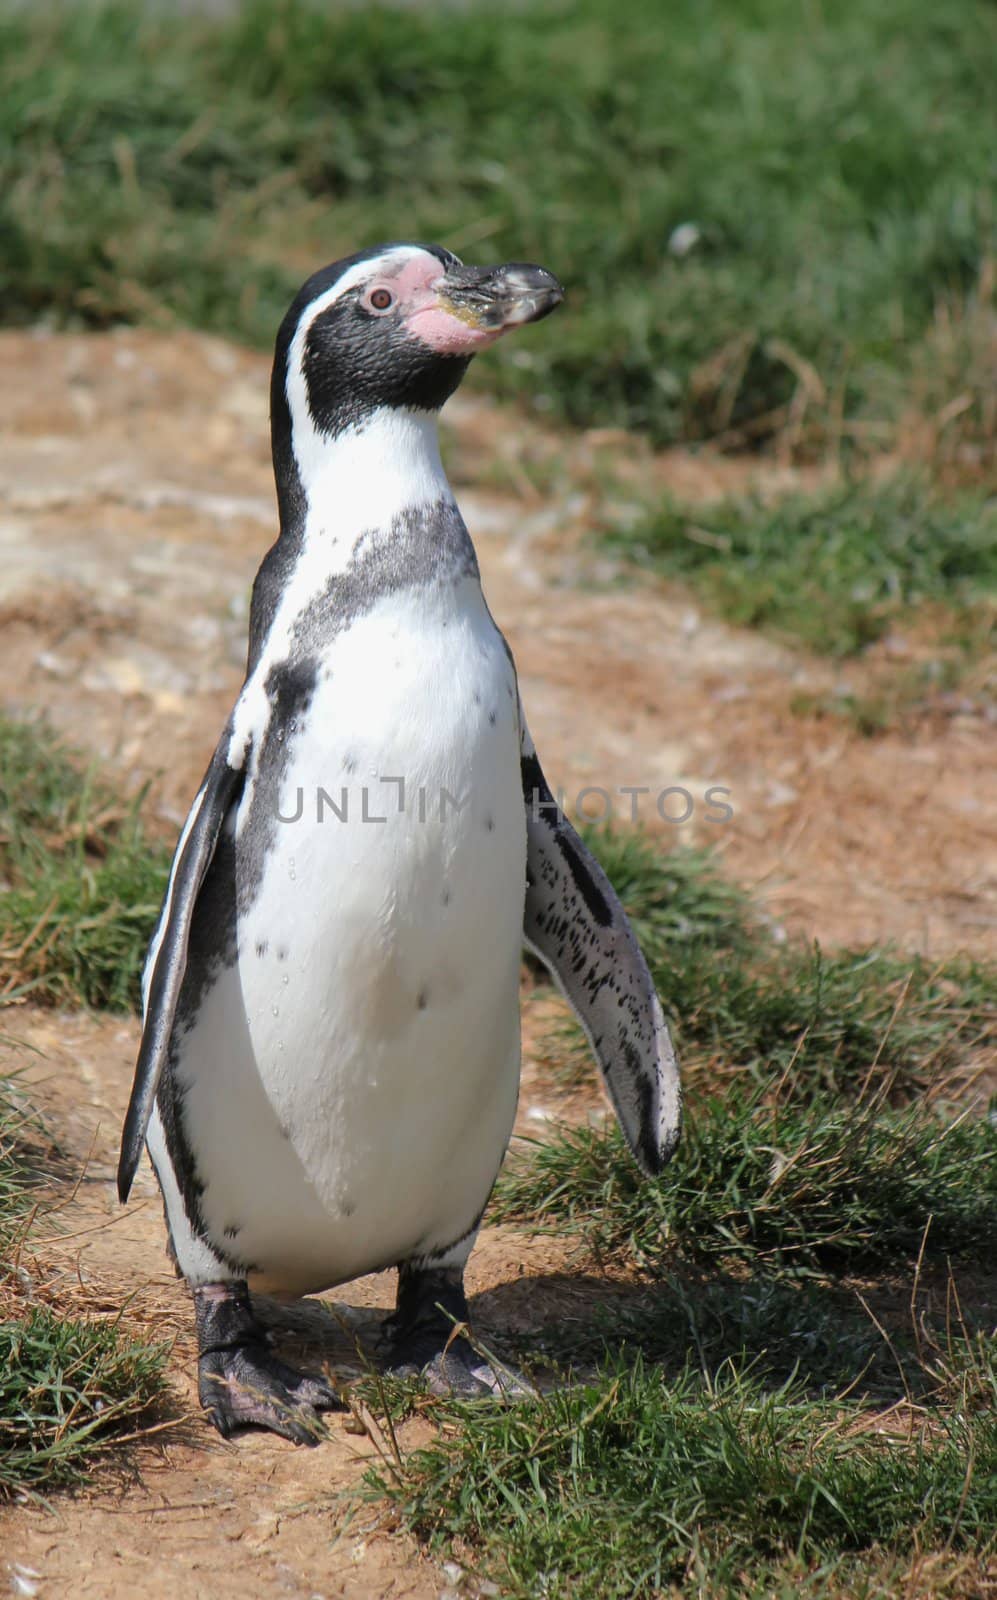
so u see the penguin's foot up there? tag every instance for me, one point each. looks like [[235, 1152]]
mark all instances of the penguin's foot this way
[[428, 1339], [246, 1387], [241, 1384]]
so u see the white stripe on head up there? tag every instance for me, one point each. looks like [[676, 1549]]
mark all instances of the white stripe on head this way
[[355, 481], [307, 442]]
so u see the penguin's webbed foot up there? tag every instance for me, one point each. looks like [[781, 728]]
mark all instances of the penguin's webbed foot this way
[[427, 1340], [246, 1387], [241, 1384], [459, 1372]]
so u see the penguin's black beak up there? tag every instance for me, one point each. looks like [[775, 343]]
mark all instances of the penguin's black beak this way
[[495, 298]]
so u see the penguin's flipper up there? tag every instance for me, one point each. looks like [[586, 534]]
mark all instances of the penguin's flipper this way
[[168, 954], [575, 923]]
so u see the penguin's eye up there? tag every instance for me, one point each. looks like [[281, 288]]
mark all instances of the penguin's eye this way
[[381, 299]]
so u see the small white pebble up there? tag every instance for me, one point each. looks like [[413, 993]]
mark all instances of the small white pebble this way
[[779, 1164], [683, 239], [539, 1114], [781, 794], [50, 662], [452, 1572]]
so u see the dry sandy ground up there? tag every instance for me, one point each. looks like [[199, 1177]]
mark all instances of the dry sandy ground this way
[[135, 504]]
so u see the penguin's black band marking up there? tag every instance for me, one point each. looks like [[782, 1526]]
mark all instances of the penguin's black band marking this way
[[423, 545], [289, 688], [270, 582]]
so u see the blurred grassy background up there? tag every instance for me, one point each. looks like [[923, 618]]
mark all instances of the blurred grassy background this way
[[773, 217]]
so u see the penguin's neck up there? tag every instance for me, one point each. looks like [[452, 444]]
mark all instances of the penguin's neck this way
[[362, 479]]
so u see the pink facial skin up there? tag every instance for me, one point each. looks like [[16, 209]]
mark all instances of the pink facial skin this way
[[416, 288], [449, 335]]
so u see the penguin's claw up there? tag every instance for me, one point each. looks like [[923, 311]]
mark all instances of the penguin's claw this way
[[245, 1387], [427, 1338], [458, 1372]]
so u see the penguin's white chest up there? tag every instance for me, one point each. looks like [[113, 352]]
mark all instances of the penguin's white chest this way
[[350, 1085]]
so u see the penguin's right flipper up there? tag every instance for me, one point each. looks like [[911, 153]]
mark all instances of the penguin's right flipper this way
[[575, 923], [219, 791]]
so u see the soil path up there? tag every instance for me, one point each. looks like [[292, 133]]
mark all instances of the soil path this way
[[135, 504]]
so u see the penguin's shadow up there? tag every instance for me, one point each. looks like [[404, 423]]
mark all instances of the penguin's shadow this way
[[350, 1339], [562, 1326], [816, 1334]]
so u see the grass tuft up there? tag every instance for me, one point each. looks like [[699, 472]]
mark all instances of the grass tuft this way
[[819, 1187], [67, 1387], [70, 1387], [814, 1334], [80, 880], [835, 570], [618, 1489]]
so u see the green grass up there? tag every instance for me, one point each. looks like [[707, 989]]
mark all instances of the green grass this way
[[835, 162], [70, 1387], [836, 570], [749, 1006], [80, 879], [826, 1186], [812, 1333], [629, 1485]]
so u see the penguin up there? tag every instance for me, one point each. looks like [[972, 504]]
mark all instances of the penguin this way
[[329, 1063]]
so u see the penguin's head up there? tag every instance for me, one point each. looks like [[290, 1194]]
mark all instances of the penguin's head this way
[[393, 327]]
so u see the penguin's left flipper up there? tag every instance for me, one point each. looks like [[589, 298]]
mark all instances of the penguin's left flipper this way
[[220, 790], [575, 923]]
